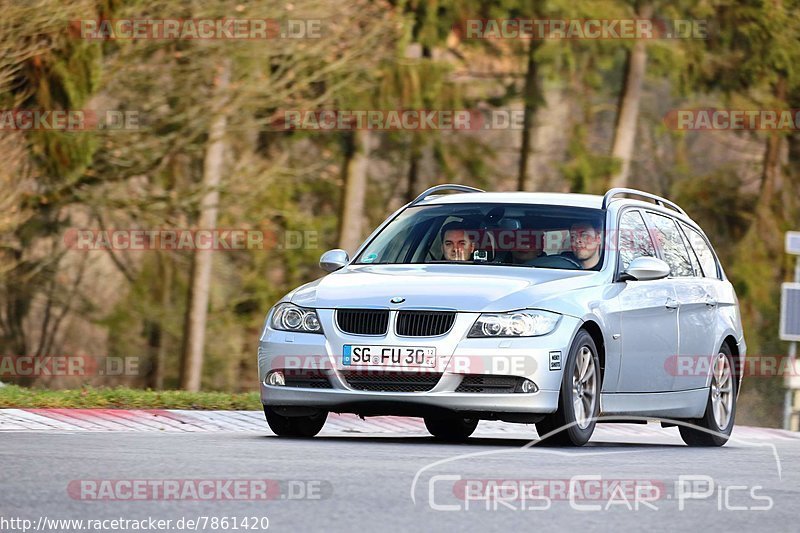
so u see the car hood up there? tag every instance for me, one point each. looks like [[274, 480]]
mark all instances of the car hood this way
[[459, 287]]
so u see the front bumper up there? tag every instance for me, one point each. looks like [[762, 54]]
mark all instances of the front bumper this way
[[410, 404], [458, 357]]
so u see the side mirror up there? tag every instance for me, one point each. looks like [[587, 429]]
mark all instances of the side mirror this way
[[333, 260], [645, 268]]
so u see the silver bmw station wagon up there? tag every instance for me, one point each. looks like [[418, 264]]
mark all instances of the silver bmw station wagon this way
[[544, 308]]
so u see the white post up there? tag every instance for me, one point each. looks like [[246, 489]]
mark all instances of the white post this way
[[789, 396], [797, 270]]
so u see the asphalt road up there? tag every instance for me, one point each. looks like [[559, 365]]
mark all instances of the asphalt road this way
[[365, 483]]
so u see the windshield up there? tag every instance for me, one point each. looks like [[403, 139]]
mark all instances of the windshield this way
[[544, 236]]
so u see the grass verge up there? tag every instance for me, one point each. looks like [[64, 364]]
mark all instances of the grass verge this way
[[13, 396]]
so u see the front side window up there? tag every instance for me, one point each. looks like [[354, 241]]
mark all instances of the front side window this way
[[704, 254], [539, 236], [634, 239], [671, 243]]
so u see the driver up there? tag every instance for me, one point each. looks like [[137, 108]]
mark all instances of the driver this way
[[528, 249], [457, 242], [585, 240]]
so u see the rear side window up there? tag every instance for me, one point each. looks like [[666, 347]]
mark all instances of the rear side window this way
[[692, 255], [704, 254], [634, 240], [675, 253]]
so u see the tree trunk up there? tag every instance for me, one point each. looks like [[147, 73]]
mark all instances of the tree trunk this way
[[158, 344], [532, 94], [18, 296], [771, 172], [200, 281], [412, 190], [354, 173], [628, 106], [790, 200]]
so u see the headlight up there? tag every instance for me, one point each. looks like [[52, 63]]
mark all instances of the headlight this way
[[515, 324], [289, 317]]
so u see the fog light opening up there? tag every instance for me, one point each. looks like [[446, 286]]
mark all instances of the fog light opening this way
[[276, 379], [527, 386]]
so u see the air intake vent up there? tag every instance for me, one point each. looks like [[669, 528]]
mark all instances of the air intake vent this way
[[306, 379], [385, 381], [424, 323], [488, 384], [363, 321]]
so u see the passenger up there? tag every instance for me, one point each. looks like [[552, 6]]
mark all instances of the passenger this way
[[457, 242]]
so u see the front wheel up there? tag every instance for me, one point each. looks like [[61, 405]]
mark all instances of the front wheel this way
[[295, 426], [715, 426], [451, 429], [579, 401]]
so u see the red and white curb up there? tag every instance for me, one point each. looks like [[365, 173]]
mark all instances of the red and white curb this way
[[175, 420], [170, 420]]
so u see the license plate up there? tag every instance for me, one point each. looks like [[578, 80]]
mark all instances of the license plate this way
[[391, 356]]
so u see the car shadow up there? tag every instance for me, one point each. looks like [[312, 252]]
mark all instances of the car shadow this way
[[508, 442]]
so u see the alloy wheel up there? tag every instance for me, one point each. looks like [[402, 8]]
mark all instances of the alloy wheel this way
[[584, 387], [722, 391]]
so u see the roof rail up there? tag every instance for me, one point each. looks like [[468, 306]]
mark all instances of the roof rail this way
[[445, 187], [657, 199]]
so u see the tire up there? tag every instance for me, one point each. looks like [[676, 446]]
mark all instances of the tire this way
[[718, 419], [575, 428], [451, 429], [295, 426]]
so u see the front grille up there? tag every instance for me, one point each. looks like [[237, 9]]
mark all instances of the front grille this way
[[485, 384], [363, 321], [380, 381], [424, 323], [306, 379]]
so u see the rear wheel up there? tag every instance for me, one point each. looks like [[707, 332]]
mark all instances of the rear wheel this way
[[295, 426], [715, 426], [579, 400], [451, 429]]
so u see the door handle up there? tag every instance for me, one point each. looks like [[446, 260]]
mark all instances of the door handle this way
[[711, 302], [672, 304]]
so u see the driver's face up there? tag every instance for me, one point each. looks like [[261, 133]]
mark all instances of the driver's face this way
[[585, 242], [457, 245]]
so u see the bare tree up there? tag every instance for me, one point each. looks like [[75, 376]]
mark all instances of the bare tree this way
[[232, 120], [628, 107], [200, 280], [354, 194], [533, 98]]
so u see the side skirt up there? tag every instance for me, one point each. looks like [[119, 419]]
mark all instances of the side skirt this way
[[681, 404]]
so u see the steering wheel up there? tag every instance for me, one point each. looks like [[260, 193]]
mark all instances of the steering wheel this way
[[553, 261]]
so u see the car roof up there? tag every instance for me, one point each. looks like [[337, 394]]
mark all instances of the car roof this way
[[554, 198], [592, 201]]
